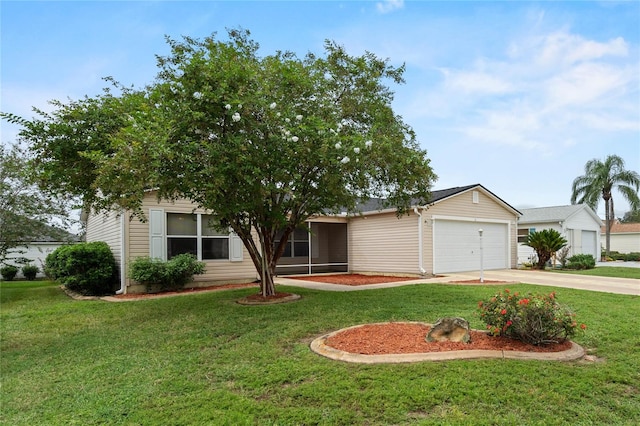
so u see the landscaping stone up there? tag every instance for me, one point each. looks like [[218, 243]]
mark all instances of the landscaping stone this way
[[449, 329]]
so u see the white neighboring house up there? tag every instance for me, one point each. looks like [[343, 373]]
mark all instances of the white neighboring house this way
[[624, 237], [37, 251], [578, 224]]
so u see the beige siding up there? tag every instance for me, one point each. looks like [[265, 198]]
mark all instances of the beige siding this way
[[462, 206], [384, 243], [217, 271], [623, 243], [106, 227]]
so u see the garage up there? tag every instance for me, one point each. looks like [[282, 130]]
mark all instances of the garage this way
[[456, 245]]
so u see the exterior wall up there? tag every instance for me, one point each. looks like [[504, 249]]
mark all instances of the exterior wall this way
[[36, 252], [622, 242], [138, 236], [108, 228], [461, 206], [383, 243], [571, 229]]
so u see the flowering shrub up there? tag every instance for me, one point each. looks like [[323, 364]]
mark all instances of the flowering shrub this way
[[535, 319]]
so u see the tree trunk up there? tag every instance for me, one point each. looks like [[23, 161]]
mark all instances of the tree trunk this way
[[608, 207]]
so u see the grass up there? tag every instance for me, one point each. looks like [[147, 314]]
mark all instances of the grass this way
[[605, 271], [203, 359]]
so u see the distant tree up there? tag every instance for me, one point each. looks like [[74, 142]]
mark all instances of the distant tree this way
[[262, 142], [546, 243], [25, 211], [599, 180], [632, 216]]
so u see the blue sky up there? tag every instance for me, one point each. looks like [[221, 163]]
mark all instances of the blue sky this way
[[517, 96]]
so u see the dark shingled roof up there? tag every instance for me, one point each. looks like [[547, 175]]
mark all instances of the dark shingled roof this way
[[376, 204]]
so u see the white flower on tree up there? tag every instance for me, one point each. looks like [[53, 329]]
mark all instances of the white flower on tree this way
[[368, 143], [235, 117], [273, 105], [295, 139], [227, 107], [299, 117], [345, 160], [338, 145], [356, 150]]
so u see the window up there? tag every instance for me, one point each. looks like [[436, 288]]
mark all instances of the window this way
[[297, 245], [523, 233], [195, 234]]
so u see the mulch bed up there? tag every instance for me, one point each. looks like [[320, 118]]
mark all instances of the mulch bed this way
[[184, 291], [399, 338]]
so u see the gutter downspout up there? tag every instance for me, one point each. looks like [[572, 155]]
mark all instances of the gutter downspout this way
[[420, 242], [123, 275]]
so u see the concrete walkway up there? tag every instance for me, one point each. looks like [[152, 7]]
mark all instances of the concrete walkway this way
[[581, 282]]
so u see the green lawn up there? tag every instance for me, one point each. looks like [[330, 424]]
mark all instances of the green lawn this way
[[606, 271], [203, 359]]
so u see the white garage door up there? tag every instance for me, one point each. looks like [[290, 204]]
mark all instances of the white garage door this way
[[589, 243], [457, 246]]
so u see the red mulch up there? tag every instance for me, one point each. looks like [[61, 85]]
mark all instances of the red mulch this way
[[396, 338], [186, 290]]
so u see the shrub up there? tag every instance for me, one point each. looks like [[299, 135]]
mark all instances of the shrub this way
[[581, 261], [632, 257], [30, 272], [88, 268], [535, 319], [8, 272], [171, 275]]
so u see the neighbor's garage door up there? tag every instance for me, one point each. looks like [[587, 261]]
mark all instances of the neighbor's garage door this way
[[457, 246], [589, 243]]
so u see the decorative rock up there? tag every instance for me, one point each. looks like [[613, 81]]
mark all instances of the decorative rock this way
[[449, 329]]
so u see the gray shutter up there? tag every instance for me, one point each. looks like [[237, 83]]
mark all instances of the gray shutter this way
[[156, 234], [235, 247]]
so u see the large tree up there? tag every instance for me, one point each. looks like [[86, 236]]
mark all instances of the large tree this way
[[545, 243], [599, 180], [262, 142], [26, 213]]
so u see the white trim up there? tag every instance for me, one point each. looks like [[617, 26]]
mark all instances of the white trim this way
[[471, 219]]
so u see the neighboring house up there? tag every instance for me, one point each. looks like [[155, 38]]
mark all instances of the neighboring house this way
[[624, 237], [438, 238], [38, 248], [578, 224]]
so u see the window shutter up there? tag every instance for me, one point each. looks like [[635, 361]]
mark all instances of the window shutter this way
[[235, 248], [156, 234]]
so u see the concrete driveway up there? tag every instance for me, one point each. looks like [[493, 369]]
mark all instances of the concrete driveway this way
[[581, 282]]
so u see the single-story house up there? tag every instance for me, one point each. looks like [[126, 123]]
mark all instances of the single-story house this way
[[443, 236], [577, 223], [38, 248], [624, 237]]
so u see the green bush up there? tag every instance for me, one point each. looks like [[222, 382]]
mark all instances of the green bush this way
[[171, 275], [535, 319], [581, 261], [632, 257], [88, 268], [30, 272], [8, 272]]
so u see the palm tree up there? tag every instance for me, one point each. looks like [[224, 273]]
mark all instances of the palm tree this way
[[600, 178], [545, 243]]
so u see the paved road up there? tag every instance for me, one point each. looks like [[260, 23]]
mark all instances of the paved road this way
[[582, 282]]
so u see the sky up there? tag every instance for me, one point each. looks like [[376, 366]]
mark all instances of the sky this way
[[514, 95]]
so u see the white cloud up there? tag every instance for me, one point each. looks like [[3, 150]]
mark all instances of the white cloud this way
[[387, 6]]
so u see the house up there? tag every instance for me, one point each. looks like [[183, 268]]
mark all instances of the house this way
[[623, 238], [578, 224], [438, 238], [36, 250]]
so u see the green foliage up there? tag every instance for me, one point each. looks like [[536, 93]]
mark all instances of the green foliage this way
[[600, 179], [26, 212], [535, 319], [581, 261], [262, 142], [170, 275], [8, 272], [88, 268], [545, 242], [627, 257], [30, 272], [632, 216]]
